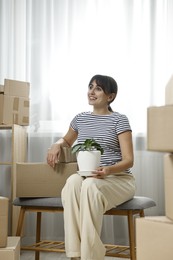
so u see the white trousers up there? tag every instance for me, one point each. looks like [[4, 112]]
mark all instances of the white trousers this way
[[85, 200]]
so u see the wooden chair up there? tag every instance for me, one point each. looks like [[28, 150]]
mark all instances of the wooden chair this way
[[135, 206]]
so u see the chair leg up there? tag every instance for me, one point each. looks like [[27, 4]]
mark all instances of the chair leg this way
[[131, 235], [20, 222], [142, 215], [38, 234]]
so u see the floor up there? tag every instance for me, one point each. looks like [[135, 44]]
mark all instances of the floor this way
[[26, 255]]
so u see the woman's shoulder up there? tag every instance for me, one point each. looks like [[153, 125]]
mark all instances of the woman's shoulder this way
[[118, 114], [82, 114]]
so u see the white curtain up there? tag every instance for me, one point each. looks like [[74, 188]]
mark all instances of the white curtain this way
[[58, 45]]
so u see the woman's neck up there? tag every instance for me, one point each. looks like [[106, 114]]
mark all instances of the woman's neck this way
[[101, 112]]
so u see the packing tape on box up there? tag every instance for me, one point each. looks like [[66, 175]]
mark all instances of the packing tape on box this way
[[16, 104], [26, 103]]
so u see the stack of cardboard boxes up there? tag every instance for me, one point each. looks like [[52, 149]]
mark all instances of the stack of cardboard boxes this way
[[154, 234], [14, 110], [9, 246], [14, 102]]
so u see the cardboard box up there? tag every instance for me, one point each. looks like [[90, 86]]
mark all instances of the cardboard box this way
[[1, 107], [154, 238], [41, 180], [67, 156], [169, 92], [4, 203], [12, 251], [168, 178], [1, 88], [16, 88], [14, 106], [160, 128]]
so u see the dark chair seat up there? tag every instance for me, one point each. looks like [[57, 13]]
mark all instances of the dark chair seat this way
[[136, 203]]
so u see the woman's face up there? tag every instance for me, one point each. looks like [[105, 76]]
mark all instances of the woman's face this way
[[96, 96]]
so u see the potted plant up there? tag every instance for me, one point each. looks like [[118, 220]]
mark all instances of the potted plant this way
[[88, 155]]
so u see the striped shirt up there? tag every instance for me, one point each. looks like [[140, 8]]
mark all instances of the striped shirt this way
[[104, 129]]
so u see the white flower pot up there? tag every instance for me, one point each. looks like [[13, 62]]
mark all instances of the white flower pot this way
[[88, 160]]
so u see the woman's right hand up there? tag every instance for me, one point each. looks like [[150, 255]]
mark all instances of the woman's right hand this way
[[53, 154], [54, 151]]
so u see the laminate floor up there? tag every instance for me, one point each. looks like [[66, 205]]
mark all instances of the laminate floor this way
[[27, 255]]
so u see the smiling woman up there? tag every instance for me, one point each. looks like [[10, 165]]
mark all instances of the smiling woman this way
[[58, 45], [111, 182]]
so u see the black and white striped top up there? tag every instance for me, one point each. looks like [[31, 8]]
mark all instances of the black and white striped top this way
[[105, 130]]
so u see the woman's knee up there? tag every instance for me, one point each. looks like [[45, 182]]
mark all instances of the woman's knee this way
[[74, 178], [73, 183]]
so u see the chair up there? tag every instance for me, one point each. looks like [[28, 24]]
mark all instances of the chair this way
[[135, 206]]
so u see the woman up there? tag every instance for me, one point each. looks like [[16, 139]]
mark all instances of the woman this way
[[85, 200]]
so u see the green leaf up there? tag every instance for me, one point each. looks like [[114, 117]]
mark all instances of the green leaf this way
[[88, 145]]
